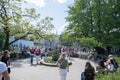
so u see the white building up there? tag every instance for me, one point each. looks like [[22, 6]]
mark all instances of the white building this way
[[23, 43]]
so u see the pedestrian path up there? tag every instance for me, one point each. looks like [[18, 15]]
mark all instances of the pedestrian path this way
[[22, 70]]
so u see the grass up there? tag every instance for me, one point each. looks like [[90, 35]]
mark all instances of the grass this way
[[109, 76], [117, 59]]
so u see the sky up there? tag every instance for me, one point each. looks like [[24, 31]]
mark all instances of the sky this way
[[57, 9]]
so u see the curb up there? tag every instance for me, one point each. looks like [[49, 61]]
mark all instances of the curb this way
[[51, 64], [47, 64]]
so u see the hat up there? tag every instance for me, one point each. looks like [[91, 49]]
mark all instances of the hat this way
[[110, 56]]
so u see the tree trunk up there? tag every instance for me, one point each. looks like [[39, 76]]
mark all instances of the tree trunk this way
[[6, 46]]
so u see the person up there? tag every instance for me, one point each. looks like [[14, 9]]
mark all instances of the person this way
[[37, 53], [101, 62], [110, 66], [89, 71], [32, 50], [46, 52], [101, 68], [6, 59], [42, 52], [83, 75], [114, 62], [63, 66], [3, 71]]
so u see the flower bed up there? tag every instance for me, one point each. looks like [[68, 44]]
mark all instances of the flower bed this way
[[50, 62]]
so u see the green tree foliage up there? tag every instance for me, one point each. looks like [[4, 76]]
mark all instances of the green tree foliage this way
[[11, 20], [20, 22], [66, 39], [43, 28], [88, 42], [97, 19]]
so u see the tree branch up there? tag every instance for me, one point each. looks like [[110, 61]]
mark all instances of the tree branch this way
[[19, 38]]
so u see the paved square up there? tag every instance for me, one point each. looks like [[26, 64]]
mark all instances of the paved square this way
[[22, 70]]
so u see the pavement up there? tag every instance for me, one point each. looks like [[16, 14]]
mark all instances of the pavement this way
[[23, 70]]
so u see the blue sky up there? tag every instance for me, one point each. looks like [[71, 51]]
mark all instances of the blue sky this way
[[56, 9]]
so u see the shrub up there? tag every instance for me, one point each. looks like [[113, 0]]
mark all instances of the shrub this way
[[99, 50], [55, 55], [49, 60]]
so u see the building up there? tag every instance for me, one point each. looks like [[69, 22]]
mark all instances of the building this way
[[23, 43]]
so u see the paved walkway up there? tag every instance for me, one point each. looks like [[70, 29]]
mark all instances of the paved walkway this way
[[22, 70]]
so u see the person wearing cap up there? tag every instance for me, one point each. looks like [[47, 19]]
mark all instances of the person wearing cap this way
[[112, 61], [108, 61], [62, 63]]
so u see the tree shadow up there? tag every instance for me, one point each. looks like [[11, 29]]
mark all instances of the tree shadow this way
[[17, 64]]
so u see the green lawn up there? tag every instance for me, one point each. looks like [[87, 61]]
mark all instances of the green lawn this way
[[117, 59], [110, 76]]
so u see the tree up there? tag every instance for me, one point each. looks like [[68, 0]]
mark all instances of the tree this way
[[43, 27], [10, 20], [19, 22], [66, 39], [98, 19], [1, 39]]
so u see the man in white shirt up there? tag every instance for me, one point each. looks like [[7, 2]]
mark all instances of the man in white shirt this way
[[3, 71]]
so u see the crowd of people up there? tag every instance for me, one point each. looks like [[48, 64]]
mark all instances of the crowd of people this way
[[109, 65], [89, 72], [38, 53]]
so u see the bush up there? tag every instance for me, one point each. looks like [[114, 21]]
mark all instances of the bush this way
[[99, 50], [49, 60], [55, 55]]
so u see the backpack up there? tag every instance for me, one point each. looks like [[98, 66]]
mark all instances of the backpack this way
[[83, 76]]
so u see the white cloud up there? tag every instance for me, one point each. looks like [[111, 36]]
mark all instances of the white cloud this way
[[62, 28], [62, 1], [40, 3]]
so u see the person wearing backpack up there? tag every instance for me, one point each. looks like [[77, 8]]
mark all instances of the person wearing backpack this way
[[83, 75], [89, 71], [111, 66], [114, 62]]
